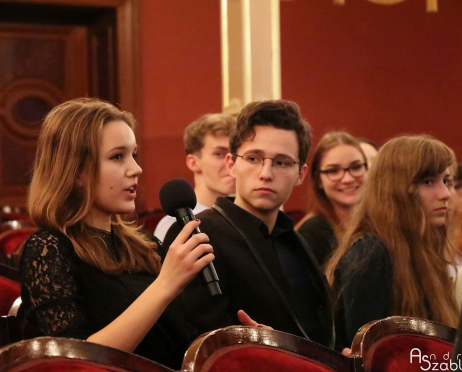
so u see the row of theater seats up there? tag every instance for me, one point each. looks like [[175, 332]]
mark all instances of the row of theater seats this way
[[12, 236], [395, 344], [8, 213], [391, 345], [15, 228]]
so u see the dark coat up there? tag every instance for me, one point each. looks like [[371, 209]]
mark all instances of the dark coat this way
[[243, 282]]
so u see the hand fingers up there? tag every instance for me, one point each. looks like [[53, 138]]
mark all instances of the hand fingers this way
[[192, 255], [245, 319], [182, 245], [196, 240], [186, 232], [192, 250], [204, 261], [200, 250]]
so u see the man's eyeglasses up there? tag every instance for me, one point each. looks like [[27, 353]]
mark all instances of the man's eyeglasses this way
[[279, 163], [337, 173]]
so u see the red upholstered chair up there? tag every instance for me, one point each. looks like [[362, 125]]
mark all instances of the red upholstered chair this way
[[52, 354], [10, 330], [8, 213], [296, 214], [16, 327], [10, 289], [11, 240], [402, 344], [150, 219], [242, 349], [15, 224]]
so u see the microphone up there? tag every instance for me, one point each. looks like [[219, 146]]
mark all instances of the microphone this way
[[178, 199]]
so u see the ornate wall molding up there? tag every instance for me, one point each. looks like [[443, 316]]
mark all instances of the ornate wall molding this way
[[21, 94]]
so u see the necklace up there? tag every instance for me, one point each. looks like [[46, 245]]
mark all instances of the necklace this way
[[104, 233], [110, 244], [109, 241]]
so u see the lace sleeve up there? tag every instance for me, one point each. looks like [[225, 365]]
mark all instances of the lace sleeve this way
[[48, 287]]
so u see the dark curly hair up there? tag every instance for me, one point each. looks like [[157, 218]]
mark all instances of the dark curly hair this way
[[279, 114]]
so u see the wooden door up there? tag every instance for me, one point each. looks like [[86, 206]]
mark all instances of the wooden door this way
[[52, 51], [41, 66]]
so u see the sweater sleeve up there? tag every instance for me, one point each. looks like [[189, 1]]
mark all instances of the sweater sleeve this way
[[364, 278], [49, 290]]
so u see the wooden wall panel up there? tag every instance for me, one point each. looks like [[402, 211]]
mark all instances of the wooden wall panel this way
[[41, 67]]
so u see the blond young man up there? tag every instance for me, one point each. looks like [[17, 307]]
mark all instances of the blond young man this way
[[206, 142]]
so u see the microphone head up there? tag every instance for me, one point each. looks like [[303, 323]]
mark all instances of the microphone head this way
[[175, 194]]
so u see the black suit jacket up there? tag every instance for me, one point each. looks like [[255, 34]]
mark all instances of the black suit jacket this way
[[243, 282]]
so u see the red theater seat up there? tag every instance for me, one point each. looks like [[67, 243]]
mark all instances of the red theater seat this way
[[296, 214], [10, 289], [402, 344], [242, 349], [11, 240], [8, 213], [10, 330], [150, 219], [52, 354]]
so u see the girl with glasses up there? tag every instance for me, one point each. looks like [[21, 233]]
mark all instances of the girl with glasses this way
[[394, 255], [338, 171]]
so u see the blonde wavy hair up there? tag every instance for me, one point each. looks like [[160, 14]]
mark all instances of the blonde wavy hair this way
[[392, 210], [59, 198]]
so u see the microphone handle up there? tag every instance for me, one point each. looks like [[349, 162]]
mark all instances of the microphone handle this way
[[209, 275]]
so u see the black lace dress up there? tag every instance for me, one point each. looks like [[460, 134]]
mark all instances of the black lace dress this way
[[66, 297]]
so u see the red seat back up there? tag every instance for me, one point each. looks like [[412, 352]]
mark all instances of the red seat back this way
[[296, 214], [11, 239], [64, 354], [8, 213], [9, 291], [241, 349], [407, 353], [10, 330], [150, 219], [403, 344], [242, 358]]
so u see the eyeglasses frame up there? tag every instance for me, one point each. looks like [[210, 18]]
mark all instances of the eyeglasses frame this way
[[267, 157], [348, 169]]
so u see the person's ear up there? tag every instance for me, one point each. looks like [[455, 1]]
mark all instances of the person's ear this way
[[230, 164], [301, 174], [192, 162]]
